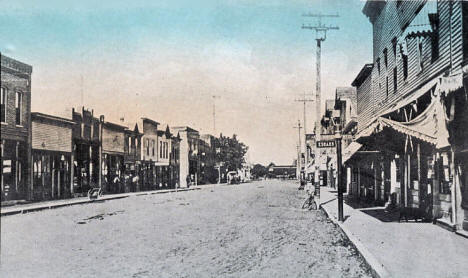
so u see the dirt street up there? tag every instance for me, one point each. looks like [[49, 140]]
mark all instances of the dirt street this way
[[248, 230]]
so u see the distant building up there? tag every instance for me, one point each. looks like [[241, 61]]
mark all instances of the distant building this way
[[189, 154], [86, 151], [15, 121], [112, 157]]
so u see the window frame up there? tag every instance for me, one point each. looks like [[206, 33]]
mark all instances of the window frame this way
[[18, 108], [4, 99]]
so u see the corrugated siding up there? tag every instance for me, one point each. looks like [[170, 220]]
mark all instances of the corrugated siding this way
[[51, 137]]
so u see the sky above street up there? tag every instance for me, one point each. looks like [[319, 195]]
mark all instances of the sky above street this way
[[166, 59]]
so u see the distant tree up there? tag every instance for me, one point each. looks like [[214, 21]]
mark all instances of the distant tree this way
[[259, 170], [230, 152]]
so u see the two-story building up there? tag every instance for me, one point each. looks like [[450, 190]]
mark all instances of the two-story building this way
[[15, 127], [189, 155], [52, 145], [164, 144], [86, 151], [414, 103], [149, 154], [112, 157], [132, 158]]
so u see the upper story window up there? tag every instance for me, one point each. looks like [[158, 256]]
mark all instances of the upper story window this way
[[3, 105], [152, 146], [394, 48], [420, 53], [378, 65], [167, 150], [147, 147], [160, 149], [395, 80], [18, 107], [385, 57], [398, 3]]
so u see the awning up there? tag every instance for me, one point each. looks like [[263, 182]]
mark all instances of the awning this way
[[429, 126], [368, 131], [451, 83], [412, 96], [350, 150]]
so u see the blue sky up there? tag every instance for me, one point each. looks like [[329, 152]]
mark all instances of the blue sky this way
[[164, 60]]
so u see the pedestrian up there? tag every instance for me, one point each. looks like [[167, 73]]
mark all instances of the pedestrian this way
[[188, 180]]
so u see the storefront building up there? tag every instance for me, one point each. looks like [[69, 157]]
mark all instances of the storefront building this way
[[416, 91], [15, 123], [132, 159], [112, 157], [86, 152], [51, 157]]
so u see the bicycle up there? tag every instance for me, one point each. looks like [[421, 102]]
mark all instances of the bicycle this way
[[310, 203]]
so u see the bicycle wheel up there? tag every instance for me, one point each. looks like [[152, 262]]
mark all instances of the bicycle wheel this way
[[305, 204], [313, 205]]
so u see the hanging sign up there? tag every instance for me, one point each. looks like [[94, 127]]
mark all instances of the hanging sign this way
[[326, 144]]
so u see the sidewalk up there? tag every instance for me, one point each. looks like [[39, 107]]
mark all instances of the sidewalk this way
[[406, 249], [30, 207]]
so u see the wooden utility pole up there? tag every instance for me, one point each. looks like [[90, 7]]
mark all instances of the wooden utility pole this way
[[306, 153], [214, 113], [320, 35], [299, 162]]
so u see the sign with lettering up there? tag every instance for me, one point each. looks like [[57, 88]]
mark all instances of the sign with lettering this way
[[326, 144]]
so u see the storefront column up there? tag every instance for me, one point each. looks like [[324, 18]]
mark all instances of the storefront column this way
[[407, 178], [453, 191], [72, 169]]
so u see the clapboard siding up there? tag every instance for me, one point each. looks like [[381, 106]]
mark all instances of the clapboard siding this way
[[51, 137], [365, 106], [390, 24]]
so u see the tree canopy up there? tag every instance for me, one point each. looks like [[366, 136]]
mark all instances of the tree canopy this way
[[230, 152]]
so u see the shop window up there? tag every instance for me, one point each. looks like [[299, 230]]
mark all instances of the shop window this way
[[3, 105], [18, 107], [444, 175]]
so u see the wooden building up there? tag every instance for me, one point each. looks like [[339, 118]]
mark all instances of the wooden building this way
[[410, 107], [52, 176]]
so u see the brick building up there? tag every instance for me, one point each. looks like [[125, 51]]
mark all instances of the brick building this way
[[15, 124], [86, 151]]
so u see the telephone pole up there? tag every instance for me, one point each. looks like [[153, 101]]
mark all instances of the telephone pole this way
[[305, 100], [299, 162], [214, 113], [320, 36]]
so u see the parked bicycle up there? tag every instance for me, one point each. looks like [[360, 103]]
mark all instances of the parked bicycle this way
[[309, 202]]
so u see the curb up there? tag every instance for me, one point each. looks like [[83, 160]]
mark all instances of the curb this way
[[103, 199], [377, 269]]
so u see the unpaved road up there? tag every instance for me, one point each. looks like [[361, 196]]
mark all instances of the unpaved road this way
[[247, 230]]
